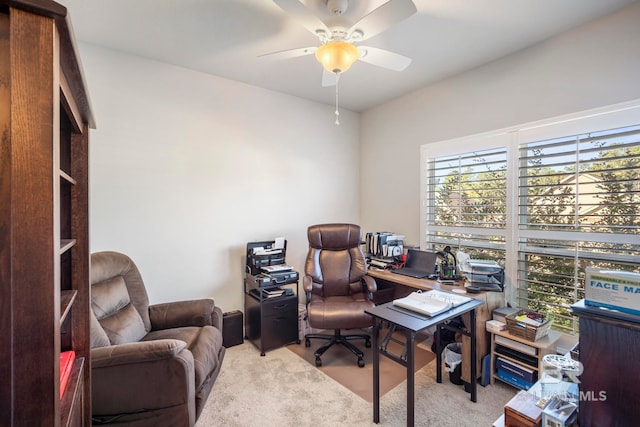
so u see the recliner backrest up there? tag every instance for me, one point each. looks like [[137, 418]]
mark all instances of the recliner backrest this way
[[335, 260], [119, 300]]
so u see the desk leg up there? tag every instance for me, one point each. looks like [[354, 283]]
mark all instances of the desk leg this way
[[376, 370], [474, 358], [438, 354], [411, 337]]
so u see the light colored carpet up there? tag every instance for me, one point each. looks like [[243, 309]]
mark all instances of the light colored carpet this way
[[339, 363], [281, 389]]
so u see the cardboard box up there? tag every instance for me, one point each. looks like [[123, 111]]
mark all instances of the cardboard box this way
[[522, 411], [612, 289]]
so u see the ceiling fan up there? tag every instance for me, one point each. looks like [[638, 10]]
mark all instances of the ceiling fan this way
[[338, 50]]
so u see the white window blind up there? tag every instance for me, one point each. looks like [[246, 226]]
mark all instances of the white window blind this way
[[546, 202], [468, 204], [579, 199]]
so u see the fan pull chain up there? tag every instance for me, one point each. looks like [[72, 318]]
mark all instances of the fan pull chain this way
[[337, 112]]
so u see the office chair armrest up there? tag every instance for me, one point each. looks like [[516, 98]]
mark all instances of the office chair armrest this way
[[307, 286], [307, 283], [371, 285], [182, 313]]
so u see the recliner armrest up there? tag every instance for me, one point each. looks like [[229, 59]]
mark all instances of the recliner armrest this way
[[129, 380], [135, 352], [182, 313]]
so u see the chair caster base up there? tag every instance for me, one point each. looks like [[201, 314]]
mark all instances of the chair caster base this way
[[338, 338]]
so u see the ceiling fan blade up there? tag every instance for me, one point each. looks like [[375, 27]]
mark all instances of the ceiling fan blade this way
[[291, 53], [383, 58], [382, 18], [328, 79], [303, 15]]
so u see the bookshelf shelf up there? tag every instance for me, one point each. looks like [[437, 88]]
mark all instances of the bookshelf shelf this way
[[66, 302], [66, 244], [65, 176], [520, 353]]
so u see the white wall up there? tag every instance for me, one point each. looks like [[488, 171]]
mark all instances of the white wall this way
[[186, 168], [182, 162], [592, 66]]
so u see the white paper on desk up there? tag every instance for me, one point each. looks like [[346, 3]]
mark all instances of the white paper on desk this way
[[453, 299], [423, 304], [279, 243], [263, 251]]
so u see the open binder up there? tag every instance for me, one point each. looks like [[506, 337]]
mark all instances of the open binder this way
[[430, 303]]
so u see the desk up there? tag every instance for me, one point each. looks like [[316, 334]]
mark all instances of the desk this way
[[413, 323], [404, 285]]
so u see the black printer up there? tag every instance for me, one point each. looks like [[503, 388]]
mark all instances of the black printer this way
[[266, 265]]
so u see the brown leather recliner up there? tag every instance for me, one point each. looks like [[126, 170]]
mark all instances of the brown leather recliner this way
[[337, 287], [151, 365]]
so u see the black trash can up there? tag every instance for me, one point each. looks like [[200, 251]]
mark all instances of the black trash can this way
[[452, 356]]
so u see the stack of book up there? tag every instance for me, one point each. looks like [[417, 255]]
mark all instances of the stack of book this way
[[274, 292]]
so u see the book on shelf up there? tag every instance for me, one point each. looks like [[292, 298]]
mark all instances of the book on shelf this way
[[519, 371], [66, 363], [430, 303], [275, 292], [512, 379]]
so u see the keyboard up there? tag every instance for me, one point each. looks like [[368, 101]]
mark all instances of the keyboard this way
[[411, 272]]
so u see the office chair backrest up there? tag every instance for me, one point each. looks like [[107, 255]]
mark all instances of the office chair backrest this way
[[335, 260]]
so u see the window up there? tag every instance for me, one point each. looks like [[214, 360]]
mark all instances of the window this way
[[467, 203], [545, 200]]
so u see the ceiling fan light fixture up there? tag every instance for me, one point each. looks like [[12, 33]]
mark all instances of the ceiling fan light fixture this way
[[337, 56]]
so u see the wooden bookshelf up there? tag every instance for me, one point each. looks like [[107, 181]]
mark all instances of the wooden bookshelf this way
[[44, 245]]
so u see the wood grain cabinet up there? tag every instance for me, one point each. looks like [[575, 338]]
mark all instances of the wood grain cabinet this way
[[45, 117], [609, 348]]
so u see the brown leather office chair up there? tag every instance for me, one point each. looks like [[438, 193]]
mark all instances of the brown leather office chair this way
[[337, 287]]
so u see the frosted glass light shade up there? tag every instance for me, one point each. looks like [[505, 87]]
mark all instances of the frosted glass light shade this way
[[337, 57]]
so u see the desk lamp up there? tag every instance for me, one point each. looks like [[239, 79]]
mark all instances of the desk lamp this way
[[448, 270]]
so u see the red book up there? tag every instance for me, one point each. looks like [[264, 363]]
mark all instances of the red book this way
[[66, 363]]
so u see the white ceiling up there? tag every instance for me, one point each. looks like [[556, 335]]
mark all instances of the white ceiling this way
[[225, 37]]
